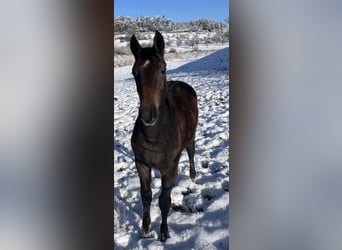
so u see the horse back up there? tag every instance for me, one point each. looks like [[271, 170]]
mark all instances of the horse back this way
[[184, 99]]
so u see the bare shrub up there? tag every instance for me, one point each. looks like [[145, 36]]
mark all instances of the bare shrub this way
[[172, 50], [195, 47], [119, 50]]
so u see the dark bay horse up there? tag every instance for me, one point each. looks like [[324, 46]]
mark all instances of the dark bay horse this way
[[166, 125]]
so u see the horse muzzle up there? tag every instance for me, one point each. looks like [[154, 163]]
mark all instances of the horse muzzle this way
[[149, 117]]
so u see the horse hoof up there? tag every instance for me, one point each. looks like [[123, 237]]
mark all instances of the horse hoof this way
[[146, 234], [164, 236], [193, 180]]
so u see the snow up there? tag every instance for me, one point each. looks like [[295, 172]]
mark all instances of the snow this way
[[199, 217]]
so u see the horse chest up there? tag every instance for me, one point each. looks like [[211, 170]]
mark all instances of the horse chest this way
[[154, 159], [155, 153]]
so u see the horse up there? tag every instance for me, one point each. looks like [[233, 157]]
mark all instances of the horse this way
[[165, 126]]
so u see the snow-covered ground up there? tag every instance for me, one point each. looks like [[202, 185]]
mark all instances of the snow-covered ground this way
[[199, 217]]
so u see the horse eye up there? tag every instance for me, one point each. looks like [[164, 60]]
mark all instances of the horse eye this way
[[163, 69]]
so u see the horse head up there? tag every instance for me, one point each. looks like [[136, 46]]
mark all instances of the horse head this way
[[149, 71]]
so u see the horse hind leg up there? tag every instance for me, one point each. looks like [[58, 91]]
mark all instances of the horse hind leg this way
[[191, 152], [146, 196]]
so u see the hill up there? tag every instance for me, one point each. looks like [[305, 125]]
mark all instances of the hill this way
[[181, 39]]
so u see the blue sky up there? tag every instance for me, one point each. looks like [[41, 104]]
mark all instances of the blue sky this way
[[177, 10]]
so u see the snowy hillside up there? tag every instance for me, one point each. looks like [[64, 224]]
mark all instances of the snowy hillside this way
[[179, 45], [199, 216]]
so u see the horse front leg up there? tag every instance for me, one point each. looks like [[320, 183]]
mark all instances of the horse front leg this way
[[168, 181], [146, 196]]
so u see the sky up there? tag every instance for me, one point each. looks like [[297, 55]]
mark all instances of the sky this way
[[176, 10]]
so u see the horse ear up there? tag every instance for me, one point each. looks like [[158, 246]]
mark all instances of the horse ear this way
[[158, 42], [135, 46]]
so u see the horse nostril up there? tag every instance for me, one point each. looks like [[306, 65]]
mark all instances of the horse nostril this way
[[149, 116], [145, 115]]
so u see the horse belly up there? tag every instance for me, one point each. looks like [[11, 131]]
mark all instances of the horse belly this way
[[187, 115]]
